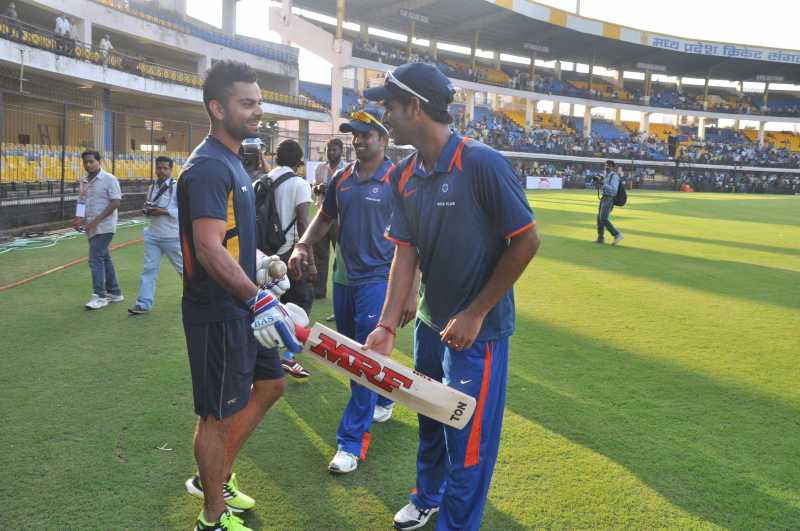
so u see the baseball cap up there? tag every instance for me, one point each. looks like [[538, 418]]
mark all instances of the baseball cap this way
[[422, 80], [364, 122]]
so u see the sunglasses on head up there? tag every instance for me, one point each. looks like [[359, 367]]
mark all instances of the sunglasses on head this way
[[390, 79]]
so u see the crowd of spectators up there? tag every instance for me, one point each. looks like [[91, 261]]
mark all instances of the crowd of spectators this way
[[661, 95], [733, 182]]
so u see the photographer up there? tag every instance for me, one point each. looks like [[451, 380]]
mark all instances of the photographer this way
[[607, 188], [162, 236], [322, 177]]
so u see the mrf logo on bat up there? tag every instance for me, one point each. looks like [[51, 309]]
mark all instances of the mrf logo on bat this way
[[360, 364]]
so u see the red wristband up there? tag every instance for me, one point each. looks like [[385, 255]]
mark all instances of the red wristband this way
[[387, 328]]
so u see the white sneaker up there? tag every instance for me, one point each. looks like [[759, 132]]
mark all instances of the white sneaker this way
[[617, 238], [382, 414], [96, 302], [412, 517], [343, 463], [115, 298]]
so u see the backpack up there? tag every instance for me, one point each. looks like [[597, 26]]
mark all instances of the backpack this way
[[270, 234], [622, 195]]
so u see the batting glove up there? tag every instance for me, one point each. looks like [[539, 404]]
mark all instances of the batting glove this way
[[279, 285], [274, 323]]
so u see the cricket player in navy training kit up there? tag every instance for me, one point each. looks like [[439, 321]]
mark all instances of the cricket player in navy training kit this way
[[461, 216], [360, 199]]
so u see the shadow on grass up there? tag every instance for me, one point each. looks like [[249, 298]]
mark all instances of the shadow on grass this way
[[387, 475], [721, 277], [751, 210], [717, 451], [576, 219]]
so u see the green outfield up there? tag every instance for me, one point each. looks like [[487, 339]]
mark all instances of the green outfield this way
[[652, 386]]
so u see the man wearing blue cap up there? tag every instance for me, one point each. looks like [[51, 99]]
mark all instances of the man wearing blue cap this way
[[461, 217], [360, 198]]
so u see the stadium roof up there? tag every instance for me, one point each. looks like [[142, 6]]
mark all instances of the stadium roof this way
[[565, 35]]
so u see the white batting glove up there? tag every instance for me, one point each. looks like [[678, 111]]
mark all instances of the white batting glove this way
[[274, 323], [266, 277]]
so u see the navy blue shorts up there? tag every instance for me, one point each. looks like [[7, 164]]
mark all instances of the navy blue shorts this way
[[225, 359]]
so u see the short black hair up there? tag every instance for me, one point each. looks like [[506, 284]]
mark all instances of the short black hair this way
[[220, 78], [289, 154], [437, 115], [91, 152], [166, 159], [336, 142], [611, 163]]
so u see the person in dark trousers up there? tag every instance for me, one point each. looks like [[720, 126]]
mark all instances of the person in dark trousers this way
[[608, 189]]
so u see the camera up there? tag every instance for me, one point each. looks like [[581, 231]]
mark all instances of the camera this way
[[320, 189], [148, 207], [250, 153]]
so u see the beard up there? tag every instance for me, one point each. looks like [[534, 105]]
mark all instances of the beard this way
[[239, 131]]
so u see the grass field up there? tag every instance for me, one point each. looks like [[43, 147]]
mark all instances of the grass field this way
[[652, 386]]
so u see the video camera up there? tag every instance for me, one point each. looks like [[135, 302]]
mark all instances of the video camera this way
[[250, 153]]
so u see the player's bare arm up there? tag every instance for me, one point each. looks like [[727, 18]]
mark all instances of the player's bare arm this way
[[209, 233], [465, 326], [301, 255], [410, 310], [401, 279]]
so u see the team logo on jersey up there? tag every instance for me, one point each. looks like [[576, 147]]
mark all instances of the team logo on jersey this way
[[445, 188], [375, 190]]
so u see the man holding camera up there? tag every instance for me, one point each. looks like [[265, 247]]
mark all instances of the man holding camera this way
[[322, 249], [162, 237], [607, 187]]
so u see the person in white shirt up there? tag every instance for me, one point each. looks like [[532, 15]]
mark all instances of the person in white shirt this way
[[105, 47], [162, 237], [322, 177], [100, 198]]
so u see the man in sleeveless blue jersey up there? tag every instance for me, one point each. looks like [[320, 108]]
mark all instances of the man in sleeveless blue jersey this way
[[461, 217], [359, 198], [234, 381]]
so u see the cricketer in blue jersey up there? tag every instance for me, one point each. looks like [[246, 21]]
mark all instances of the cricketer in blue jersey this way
[[461, 217], [360, 199]]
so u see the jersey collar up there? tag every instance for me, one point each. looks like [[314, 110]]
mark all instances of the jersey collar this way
[[450, 155], [379, 174]]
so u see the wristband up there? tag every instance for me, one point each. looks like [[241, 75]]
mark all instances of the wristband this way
[[387, 328]]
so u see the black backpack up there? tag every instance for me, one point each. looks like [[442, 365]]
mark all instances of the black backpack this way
[[270, 234], [622, 195]]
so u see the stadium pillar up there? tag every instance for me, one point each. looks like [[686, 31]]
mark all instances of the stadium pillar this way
[[621, 79], [760, 134], [474, 53], [679, 84], [648, 78], [336, 97], [765, 99], [203, 64], [85, 30], [644, 123], [64, 126], [470, 111], [618, 116], [587, 121], [705, 95], [530, 112], [302, 131], [339, 19], [701, 128], [557, 70], [229, 17], [411, 34], [434, 49], [364, 32], [532, 73], [555, 113]]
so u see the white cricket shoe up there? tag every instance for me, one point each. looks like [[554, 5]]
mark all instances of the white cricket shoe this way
[[617, 238], [115, 298], [96, 302], [412, 517], [382, 414], [343, 463]]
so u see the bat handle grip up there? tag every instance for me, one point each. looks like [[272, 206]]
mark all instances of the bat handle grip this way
[[301, 333]]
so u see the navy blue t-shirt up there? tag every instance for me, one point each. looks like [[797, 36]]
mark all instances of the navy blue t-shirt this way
[[364, 210], [460, 217], [214, 184]]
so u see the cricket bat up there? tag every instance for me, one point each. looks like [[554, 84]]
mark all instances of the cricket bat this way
[[387, 377]]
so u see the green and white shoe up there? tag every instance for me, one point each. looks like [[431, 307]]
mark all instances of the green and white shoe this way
[[236, 500], [227, 522]]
